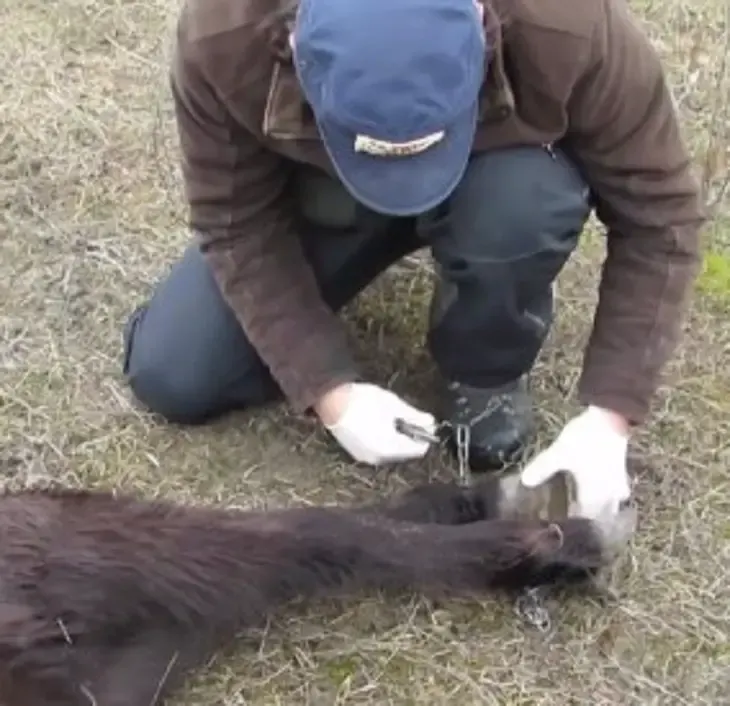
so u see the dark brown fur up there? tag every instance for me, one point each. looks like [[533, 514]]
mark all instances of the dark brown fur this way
[[110, 600]]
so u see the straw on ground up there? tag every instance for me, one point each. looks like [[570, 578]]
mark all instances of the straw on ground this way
[[92, 214]]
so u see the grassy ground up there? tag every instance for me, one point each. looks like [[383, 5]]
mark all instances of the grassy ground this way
[[91, 214]]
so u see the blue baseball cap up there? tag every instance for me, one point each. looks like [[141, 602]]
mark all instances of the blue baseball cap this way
[[394, 87]]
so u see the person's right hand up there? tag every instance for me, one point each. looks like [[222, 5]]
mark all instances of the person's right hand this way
[[361, 417], [592, 447]]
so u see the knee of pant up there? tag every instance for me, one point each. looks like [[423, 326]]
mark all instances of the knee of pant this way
[[169, 387], [178, 397], [516, 203]]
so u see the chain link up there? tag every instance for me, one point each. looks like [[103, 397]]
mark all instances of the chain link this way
[[530, 607], [463, 435]]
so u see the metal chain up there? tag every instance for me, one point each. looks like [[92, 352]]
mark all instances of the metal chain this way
[[474, 420], [530, 605], [463, 434]]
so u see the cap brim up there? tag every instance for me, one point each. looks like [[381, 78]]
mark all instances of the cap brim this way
[[402, 186]]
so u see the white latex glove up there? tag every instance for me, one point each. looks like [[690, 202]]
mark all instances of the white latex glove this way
[[366, 429], [593, 451]]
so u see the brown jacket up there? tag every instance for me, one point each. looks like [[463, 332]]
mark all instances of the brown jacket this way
[[578, 71]]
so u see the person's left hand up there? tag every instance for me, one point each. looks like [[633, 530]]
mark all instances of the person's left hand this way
[[592, 447]]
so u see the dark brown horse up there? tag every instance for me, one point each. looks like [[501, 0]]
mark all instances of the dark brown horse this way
[[109, 600]]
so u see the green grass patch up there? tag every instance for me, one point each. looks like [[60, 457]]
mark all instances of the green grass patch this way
[[714, 278], [340, 670]]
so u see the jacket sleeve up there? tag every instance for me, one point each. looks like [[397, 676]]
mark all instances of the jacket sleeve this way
[[241, 210], [625, 135]]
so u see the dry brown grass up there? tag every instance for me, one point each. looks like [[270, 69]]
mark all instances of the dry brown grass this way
[[91, 215]]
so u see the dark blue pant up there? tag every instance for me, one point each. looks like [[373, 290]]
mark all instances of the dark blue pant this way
[[499, 243]]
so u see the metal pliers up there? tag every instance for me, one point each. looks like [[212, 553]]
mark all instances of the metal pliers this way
[[417, 433]]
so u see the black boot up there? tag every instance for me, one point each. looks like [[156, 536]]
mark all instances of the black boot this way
[[500, 421]]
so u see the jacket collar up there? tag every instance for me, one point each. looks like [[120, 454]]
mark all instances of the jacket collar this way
[[287, 116]]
